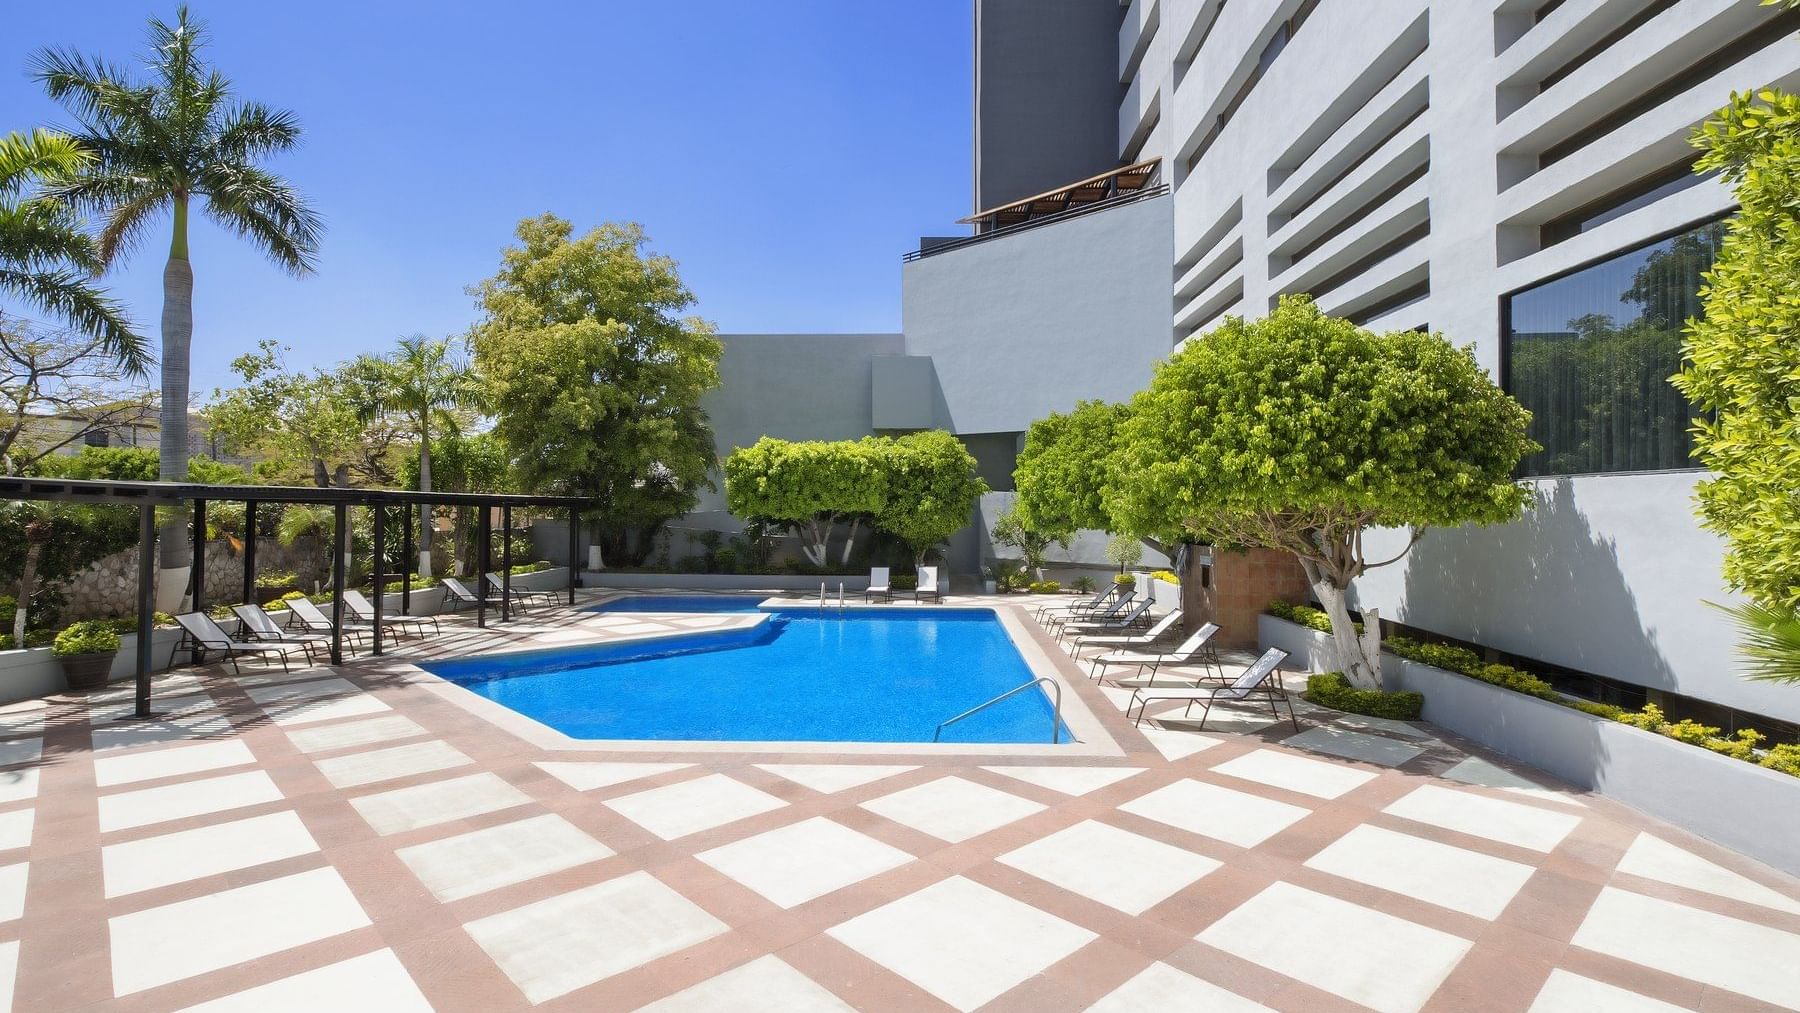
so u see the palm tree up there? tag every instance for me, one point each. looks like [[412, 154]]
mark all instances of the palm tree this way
[[432, 390], [166, 143], [45, 257]]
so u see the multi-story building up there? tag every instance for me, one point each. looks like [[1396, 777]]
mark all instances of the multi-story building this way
[[1513, 173]]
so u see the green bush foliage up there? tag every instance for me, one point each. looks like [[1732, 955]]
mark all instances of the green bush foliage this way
[[1166, 575], [1084, 584], [1125, 579], [1331, 689], [88, 637], [1305, 615], [904, 581], [1063, 470], [1045, 587]]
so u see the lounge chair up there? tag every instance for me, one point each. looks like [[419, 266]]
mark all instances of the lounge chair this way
[[456, 595], [1109, 610], [1253, 682], [878, 584], [259, 625], [307, 616], [199, 632], [1197, 646], [1129, 620], [927, 586], [1128, 640], [363, 614], [522, 597], [1098, 599]]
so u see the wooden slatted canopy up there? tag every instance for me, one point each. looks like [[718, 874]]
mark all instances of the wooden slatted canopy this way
[[1112, 183]]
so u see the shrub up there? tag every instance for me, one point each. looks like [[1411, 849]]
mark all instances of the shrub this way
[[1304, 615], [93, 636], [725, 559], [904, 581], [1084, 584], [291, 595], [8, 605], [1045, 587], [1331, 689], [391, 587], [1784, 757], [1125, 579], [6, 642], [1166, 575], [277, 578]]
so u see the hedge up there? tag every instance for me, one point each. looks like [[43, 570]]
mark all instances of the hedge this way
[[1046, 587], [1331, 689]]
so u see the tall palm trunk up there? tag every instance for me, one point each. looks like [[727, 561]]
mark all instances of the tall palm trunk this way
[[425, 508], [177, 335]]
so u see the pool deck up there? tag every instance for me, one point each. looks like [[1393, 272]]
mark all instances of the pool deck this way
[[349, 838]]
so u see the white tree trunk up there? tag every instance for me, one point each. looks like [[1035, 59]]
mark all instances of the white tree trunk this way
[[1359, 658], [850, 540], [425, 509], [818, 538], [177, 334], [27, 587]]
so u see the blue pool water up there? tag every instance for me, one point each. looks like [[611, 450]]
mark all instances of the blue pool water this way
[[868, 675], [682, 603]]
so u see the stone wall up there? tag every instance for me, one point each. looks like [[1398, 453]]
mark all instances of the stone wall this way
[[108, 587]]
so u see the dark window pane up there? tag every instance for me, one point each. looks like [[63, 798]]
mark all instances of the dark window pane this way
[[1591, 354]]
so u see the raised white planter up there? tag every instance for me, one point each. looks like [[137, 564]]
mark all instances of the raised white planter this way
[[1697, 790], [1307, 648], [853, 582], [1166, 595]]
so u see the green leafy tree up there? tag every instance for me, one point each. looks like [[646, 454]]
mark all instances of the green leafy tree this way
[[1124, 551], [322, 426], [593, 379], [1063, 470], [162, 145], [1300, 431], [1033, 546], [812, 485], [930, 487], [57, 388], [46, 259], [432, 391]]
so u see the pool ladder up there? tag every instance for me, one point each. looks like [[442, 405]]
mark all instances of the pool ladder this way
[[822, 596], [1055, 718]]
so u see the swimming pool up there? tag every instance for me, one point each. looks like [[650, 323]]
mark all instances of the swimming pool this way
[[864, 675], [681, 603]]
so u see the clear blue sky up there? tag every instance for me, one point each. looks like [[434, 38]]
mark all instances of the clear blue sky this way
[[786, 154]]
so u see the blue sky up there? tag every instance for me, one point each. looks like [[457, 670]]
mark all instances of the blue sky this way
[[786, 154]]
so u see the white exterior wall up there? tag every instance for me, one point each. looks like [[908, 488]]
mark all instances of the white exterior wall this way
[[1610, 575]]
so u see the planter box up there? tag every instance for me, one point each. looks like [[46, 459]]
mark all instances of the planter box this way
[[853, 582], [1166, 595], [32, 673], [1307, 648], [1699, 791]]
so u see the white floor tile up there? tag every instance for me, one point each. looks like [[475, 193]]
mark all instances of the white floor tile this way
[[1456, 878], [764, 985], [15, 829], [1069, 780], [952, 809], [1119, 697], [130, 733], [12, 890], [373, 981], [1385, 963], [961, 941], [1568, 992], [189, 702], [135, 866], [1354, 745], [354, 733], [689, 807], [9, 972], [1737, 956], [354, 769], [1654, 858], [18, 785], [176, 941], [1174, 745], [302, 712], [308, 689], [588, 776], [804, 861], [145, 806], [20, 751], [468, 864], [1318, 778], [202, 756], [426, 805], [26, 717], [1114, 867], [1512, 823], [1476, 770], [1161, 987], [553, 947], [1222, 719], [1220, 813], [829, 778]]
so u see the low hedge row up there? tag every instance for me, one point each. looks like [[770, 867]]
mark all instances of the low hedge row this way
[[1331, 689], [1746, 745], [1045, 587]]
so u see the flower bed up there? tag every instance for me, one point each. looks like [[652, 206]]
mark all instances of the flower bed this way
[[1331, 689]]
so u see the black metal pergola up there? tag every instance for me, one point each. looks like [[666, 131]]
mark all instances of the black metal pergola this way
[[146, 497]]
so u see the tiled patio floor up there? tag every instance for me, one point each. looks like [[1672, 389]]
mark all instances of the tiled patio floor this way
[[346, 840]]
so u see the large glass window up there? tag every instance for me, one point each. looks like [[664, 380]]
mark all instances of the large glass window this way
[[1591, 354]]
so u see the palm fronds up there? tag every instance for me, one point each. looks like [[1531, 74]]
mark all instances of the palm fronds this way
[[1769, 640]]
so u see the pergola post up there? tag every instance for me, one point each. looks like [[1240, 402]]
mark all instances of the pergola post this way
[[406, 560], [483, 535], [379, 567], [506, 563], [574, 547], [340, 541], [146, 603], [250, 553], [198, 580]]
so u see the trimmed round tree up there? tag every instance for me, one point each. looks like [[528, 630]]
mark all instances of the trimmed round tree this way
[[1064, 468], [1300, 431], [932, 489], [811, 484]]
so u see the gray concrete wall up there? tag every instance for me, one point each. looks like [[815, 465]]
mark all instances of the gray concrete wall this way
[[1047, 95], [1023, 325]]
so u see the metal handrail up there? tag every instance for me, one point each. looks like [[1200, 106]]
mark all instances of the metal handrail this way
[[1055, 718]]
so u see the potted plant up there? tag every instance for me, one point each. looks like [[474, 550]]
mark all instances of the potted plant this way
[[86, 651], [989, 584]]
